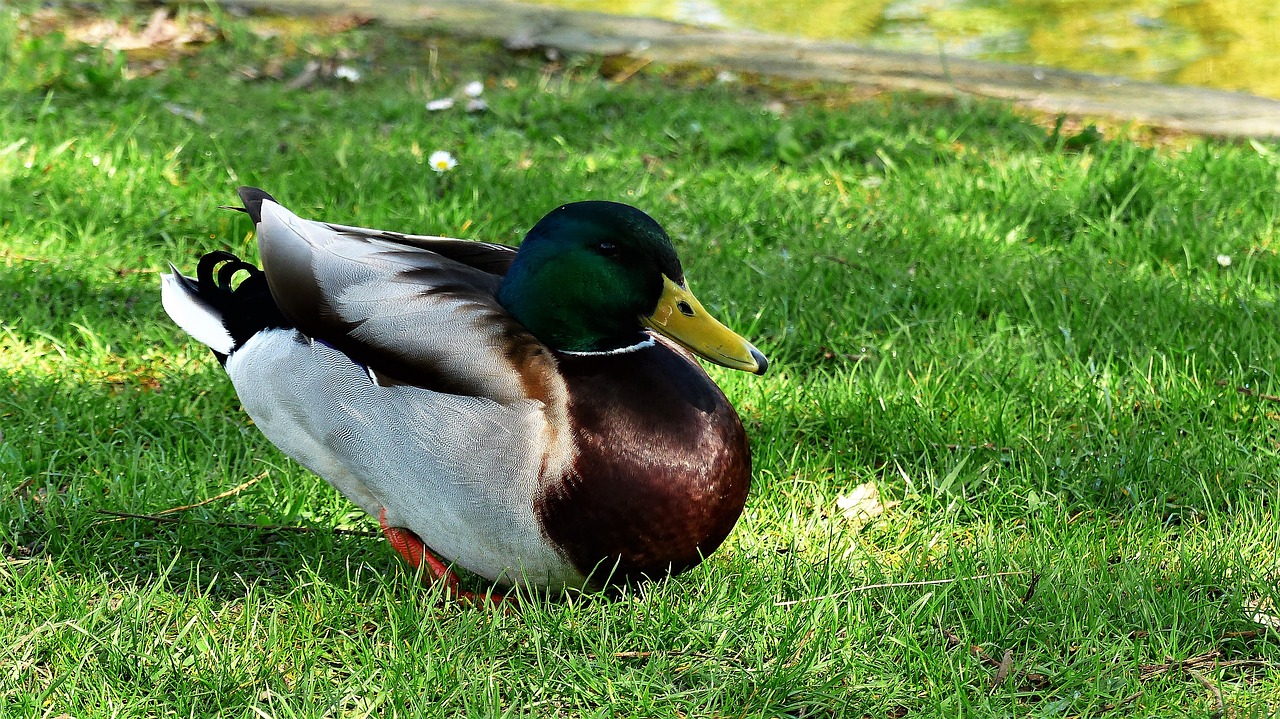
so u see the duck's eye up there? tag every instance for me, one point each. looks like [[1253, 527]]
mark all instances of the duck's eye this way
[[684, 308], [606, 248]]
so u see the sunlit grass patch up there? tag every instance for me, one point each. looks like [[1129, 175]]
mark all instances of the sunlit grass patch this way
[[1065, 400]]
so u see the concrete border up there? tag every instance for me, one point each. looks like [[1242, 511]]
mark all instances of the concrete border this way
[[1190, 109]]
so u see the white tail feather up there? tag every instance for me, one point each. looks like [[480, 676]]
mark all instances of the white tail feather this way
[[194, 315]]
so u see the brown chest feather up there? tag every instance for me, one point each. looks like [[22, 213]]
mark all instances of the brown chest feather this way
[[662, 470]]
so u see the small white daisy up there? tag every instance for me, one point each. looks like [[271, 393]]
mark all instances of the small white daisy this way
[[442, 161], [1224, 260], [346, 72], [443, 103], [475, 88]]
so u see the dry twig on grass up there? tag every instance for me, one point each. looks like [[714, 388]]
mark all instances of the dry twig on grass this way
[[1116, 705], [1150, 671], [162, 517], [229, 493], [1218, 706], [893, 585], [158, 519]]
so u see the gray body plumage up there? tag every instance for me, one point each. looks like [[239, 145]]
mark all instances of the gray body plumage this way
[[450, 443]]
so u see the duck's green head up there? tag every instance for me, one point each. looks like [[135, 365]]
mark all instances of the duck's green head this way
[[591, 276]]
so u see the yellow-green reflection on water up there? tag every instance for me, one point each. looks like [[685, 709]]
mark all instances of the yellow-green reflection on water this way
[[1229, 44]]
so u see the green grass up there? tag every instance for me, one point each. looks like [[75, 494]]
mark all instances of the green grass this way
[[1023, 337]]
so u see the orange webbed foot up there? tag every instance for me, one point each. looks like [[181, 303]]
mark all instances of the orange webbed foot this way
[[417, 554]]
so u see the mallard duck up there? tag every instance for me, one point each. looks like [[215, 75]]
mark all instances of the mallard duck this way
[[531, 415]]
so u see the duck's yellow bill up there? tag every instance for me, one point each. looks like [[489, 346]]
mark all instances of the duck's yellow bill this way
[[681, 317]]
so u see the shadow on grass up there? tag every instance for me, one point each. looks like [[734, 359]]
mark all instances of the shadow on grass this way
[[48, 300], [220, 562]]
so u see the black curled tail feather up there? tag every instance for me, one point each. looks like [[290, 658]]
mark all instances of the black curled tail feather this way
[[245, 309], [252, 198]]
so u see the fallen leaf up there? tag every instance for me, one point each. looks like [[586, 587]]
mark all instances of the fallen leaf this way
[[863, 504], [343, 23], [308, 76], [1002, 671], [186, 113], [160, 31], [1265, 619]]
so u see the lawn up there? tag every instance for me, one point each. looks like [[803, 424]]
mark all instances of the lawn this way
[[1051, 351]]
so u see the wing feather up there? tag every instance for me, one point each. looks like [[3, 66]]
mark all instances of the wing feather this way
[[409, 307], [486, 256]]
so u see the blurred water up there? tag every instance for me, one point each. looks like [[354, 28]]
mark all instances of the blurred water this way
[[1228, 44]]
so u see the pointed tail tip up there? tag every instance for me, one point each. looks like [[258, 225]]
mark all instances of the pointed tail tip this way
[[181, 300], [175, 276], [252, 198]]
